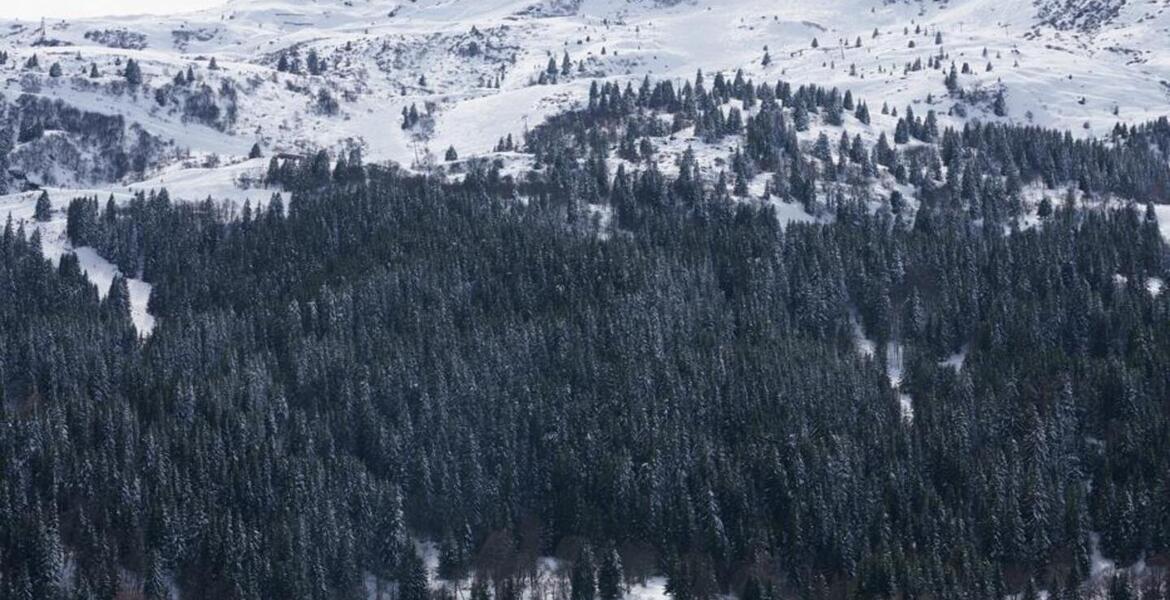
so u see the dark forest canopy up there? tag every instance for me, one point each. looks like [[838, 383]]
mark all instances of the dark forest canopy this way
[[390, 357]]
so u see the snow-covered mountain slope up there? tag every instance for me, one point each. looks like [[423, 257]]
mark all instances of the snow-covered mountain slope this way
[[300, 75]]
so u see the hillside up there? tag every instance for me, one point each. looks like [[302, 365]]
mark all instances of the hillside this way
[[472, 70], [587, 300]]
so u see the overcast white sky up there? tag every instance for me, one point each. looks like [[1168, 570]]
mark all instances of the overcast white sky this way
[[35, 9]]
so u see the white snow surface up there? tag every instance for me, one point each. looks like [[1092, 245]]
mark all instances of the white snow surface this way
[[1162, 211], [377, 51], [956, 360]]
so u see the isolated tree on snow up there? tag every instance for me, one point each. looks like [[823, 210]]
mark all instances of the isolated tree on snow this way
[[999, 107], [451, 155], [132, 72], [326, 103], [44, 208], [815, 43], [1045, 209], [55, 70], [952, 80], [410, 117], [897, 202], [862, 113], [93, 71], [255, 152]]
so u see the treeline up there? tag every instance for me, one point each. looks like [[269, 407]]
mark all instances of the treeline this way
[[623, 122]]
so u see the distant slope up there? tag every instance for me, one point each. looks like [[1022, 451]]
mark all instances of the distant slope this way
[[473, 69]]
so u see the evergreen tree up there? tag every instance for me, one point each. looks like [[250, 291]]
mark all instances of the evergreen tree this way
[[117, 303], [1044, 210], [610, 577], [1120, 588], [154, 585], [412, 579], [44, 208], [999, 106], [583, 580], [479, 589], [452, 559], [132, 72]]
